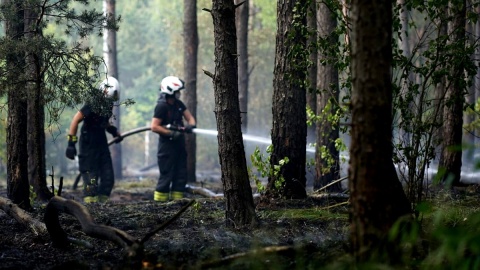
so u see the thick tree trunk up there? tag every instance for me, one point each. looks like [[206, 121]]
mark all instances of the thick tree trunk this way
[[18, 189], [190, 37], [110, 56], [242, 46], [289, 131], [377, 198], [327, 168], [240, 210], [451, 158]]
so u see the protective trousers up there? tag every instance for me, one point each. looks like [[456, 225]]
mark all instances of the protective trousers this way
[[97, 171], [172, 163]]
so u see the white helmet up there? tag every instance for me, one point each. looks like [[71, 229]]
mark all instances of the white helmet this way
[[110, 87], [171, 84]]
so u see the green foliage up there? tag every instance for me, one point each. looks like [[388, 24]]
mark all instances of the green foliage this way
[[70, 72], [422, 72], [450, 229], [263, 167]]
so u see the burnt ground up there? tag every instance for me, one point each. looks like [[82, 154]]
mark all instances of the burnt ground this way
[[295, 234]]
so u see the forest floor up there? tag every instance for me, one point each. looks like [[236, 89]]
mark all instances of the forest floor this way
[[294, 234]]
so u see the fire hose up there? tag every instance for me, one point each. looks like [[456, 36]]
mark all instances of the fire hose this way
[[124, 135]]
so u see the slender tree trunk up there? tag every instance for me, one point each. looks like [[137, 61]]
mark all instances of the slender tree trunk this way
[[469, 117], [18, 189], [404, 137], [289, 131], [242, 45], [376, 195], [327, 168], [110, 56], [240, 210], [312, 68], [36, 103], [451, 158], [440, 90], [191, 41], [477, 77]]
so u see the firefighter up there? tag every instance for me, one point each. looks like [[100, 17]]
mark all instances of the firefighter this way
[[171, 154], [94, 160]]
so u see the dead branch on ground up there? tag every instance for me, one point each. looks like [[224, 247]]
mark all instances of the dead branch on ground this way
[[202, 191], [331, 184], [133, 247], [59, 236], [22, 217]]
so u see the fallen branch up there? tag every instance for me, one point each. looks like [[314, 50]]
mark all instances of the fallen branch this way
[[58, 235], [22, 217], [202, 191], [166, 223], [335, 205], [331, 184], [330, 196], [133, 247]]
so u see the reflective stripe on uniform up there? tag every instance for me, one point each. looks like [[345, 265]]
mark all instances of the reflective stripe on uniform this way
[[160, 196]]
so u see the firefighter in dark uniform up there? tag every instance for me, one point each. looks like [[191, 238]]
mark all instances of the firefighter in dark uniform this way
[[171, 155], [94, 160]]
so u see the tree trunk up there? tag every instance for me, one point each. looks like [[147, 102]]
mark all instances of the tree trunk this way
[[110, 57], [190, 36], [376, 195], [240, 210], [451, 158], [327, 168], [242, 46], [477, 63], [470, 100], [36, 114], [312, 68], [439, 104], [18, 189], [289, 131]]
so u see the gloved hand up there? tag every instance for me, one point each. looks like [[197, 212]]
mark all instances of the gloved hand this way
[[112, 130], [119, 138], [71, 151], [189, 128], [174, 135]]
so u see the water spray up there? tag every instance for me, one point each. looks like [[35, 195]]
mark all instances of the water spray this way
[[246, 137]]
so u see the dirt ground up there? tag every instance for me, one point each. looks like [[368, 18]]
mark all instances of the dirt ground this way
[[291, 235]]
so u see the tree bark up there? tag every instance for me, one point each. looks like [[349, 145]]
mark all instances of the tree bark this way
[[312, 68], [18, 189], [242, 46], [191, 41], [36, 113], [110, 57], [289, 131], [451, 158], [240, 210], [376, 195], [327, 132]]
